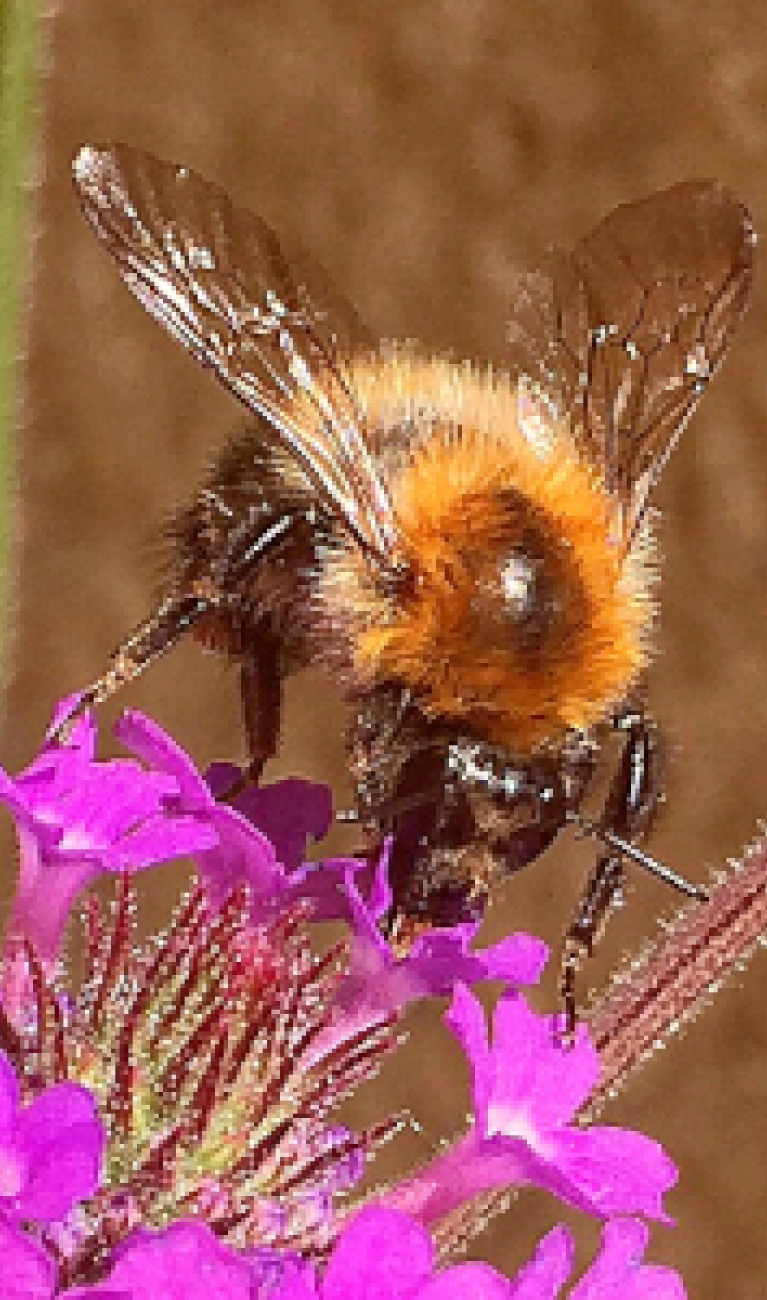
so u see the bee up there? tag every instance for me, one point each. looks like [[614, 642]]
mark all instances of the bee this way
[[468, 552]]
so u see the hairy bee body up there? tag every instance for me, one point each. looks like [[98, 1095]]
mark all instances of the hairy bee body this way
[[468, 553], [517, 622]]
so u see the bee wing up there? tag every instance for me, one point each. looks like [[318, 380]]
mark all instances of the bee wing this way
[[622, 334], [272, 331]]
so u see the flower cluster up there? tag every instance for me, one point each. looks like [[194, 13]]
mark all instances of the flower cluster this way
[[169, 1129]]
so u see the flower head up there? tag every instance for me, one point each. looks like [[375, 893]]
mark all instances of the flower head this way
[[200, 1052], [215, 1057]]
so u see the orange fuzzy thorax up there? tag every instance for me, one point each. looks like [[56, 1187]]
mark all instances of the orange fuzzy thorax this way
[[448, 640]]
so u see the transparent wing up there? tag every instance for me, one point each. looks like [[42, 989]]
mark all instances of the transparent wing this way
[[623, 333], [272, 332]]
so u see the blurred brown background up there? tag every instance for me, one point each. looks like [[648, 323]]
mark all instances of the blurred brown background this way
[[421, 151]]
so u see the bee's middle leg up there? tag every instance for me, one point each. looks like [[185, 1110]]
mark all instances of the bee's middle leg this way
[[261, 694]]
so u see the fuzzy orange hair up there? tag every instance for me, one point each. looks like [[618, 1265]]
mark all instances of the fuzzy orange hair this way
[[449, 497]]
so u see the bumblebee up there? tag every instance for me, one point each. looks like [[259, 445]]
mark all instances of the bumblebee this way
[[468, 552]]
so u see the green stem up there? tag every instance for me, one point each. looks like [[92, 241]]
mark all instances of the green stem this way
[[18, 64]]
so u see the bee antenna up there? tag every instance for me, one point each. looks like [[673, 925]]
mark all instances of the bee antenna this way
[[636, 854], [146, 643]]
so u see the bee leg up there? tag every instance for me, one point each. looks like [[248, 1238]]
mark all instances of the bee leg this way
[[602, 892], [261, 692], [638, 787], [261, 696], [632, 803], [162, 629]]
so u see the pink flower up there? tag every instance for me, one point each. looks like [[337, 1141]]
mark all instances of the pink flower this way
[[527, 1090], [77, 818]]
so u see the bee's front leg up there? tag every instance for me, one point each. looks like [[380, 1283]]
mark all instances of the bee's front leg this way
[[177, 613], [632, 803]]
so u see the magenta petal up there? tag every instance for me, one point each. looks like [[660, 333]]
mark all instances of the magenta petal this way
[[619, 1274], [289, 813], [12, 797], [183, 1262], [526, 1082], [473, 1165], [220, 777], [45, 896], [27, 1272], [534, 1070], [651, 1282], [617, 1170], [382, 1255], [109, 801], [517, 959], [441, 958], [61, 1104], [68, 1172], [623, 1245], [546, 1273], [100, 1293], [242, 856], [61, 1140], [466, 1018], [283, 815], [325, 885], [161, 838], [149, 742], [468, 1282]]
